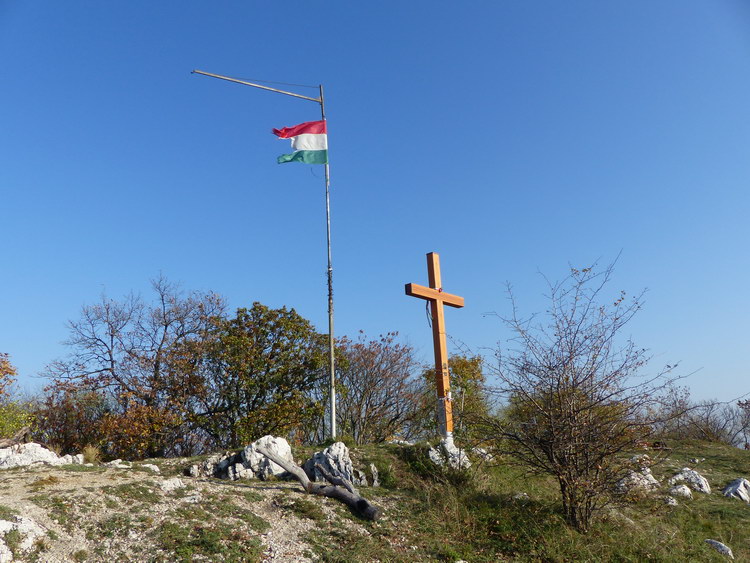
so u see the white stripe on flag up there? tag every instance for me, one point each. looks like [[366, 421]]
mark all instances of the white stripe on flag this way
[[310, 142]]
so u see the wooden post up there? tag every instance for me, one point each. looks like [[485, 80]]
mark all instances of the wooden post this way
[[437, 297]]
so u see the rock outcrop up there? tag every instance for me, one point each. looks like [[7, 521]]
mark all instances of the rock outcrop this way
[[32, 453], [641, 480], [216, 465], [739, 488], [695, 480], [336, 460], [260, 465], [446, 453], [247, 464]]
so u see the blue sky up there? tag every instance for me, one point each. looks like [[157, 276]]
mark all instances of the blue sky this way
[[511, 137]]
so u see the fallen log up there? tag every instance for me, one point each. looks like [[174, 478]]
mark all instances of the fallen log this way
[[18, 438], [339, 488]]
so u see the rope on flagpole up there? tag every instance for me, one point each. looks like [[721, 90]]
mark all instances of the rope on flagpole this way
[[277, 83]]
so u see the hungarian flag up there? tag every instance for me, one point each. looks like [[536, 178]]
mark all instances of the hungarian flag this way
[[309, 141]]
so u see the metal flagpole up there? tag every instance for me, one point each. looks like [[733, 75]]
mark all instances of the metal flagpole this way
[[331, 347], [330, 284]]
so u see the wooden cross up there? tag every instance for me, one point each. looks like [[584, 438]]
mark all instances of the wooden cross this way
[[437, 297]]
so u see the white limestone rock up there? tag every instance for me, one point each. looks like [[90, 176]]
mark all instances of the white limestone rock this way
[[483, 454], [446, 452], [375, 475], [681, 491], [721, 548], [216, 465], [641, 460], [119, 464], [169, 485], [739, 488], [29, 530], [151, 467], [670, 501], [335, 459], [695, 480], [260, 465], [6, 555], [239, 471], [30, 454], [641, 480]]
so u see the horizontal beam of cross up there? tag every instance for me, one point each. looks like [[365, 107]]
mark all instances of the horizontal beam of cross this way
[[430, 294]]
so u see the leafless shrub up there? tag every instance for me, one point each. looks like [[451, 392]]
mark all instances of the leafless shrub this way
[[576, 393]]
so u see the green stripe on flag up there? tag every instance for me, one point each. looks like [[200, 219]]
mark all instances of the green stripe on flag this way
[[308, 157]]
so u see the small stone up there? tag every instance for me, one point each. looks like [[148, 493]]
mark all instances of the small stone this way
[[641, 460], [151, 467], [721, 548], [670, 501], [375, 475], [681, 491], [521, 497], [483, 454]]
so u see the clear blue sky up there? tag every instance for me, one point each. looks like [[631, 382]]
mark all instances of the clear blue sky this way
[[510, 137]]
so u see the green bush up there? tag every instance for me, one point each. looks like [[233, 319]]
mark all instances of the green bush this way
[[13, 417]]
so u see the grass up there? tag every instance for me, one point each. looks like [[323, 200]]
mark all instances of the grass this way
[[216, 542], [59, 509], [74, 468], [224, 507], [437, 515], [13, 540], [430, 514], [42, 482], [7, 513], [303, 508], [142, 492]]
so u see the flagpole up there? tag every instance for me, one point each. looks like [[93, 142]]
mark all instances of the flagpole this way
[[331, 348], [331, 345]]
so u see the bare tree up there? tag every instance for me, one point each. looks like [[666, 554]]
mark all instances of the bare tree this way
[[575, 395], [127, 351], [381, 393], [709, 420]]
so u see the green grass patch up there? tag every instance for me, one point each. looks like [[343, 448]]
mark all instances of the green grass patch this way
[[224, 507], [58, 508], [252, 496], [13, 540], [142, 492], [75, 468], [7, 513], [197, 542], [304, 508]]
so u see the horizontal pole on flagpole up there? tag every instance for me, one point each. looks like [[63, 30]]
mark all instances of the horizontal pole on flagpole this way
[[317, 100]]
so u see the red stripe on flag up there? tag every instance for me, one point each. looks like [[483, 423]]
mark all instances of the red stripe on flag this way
[[310, 127]]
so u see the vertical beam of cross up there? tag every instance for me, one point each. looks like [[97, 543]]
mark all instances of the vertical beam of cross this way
[[437, 298]]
